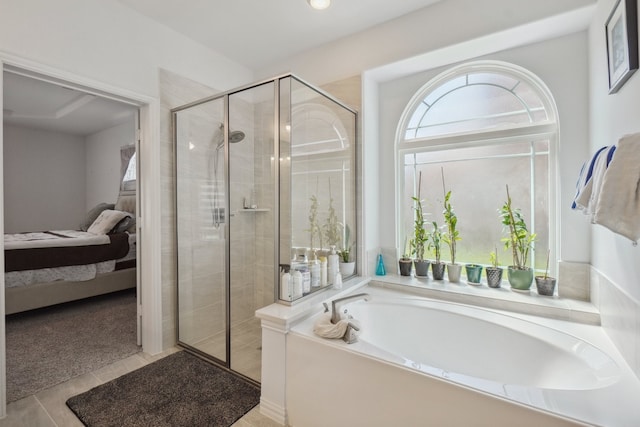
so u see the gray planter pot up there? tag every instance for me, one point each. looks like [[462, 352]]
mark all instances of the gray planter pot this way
[[494, 276], [421, 267], [453, 272], [545, 286], [437, 269], [405, 267]]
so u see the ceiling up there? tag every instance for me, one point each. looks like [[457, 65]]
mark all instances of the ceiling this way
[[253, 33], [37, 104], [257, 33]]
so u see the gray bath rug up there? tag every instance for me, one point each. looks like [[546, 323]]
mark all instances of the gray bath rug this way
[[178, 390], [49, 346]]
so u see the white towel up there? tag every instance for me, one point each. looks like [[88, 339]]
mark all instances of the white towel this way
[[325, 329], [618, 204]]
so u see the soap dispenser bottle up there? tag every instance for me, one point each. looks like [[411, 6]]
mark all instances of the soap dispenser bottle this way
[[333, 265], [286, 286], [314, 266], [323, 271]]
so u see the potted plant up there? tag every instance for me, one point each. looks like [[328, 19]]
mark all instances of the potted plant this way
[[452, 235], [314, 225], [474, 273], [347, 267], [494, 272], [405, 262], [419, 236], [520, 240], [434, 244], [546, 285]]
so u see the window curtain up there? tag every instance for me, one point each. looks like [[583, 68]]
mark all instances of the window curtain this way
[[127, 171]]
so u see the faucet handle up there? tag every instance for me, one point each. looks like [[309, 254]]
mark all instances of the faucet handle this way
[[350, 335]]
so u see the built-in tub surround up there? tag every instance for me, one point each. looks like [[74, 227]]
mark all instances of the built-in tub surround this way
[[426, 359], [502, 368]]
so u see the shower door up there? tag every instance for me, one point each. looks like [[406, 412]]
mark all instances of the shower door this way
[[225, 224], [251, 223], [201, 231]]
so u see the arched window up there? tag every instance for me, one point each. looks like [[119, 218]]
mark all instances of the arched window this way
[[480, 126]]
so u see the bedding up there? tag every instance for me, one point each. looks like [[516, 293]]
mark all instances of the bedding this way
[[53, 267], [30, 251], [108, 220], [76, 273]]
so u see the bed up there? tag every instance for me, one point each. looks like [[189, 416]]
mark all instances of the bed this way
[[52, 267]]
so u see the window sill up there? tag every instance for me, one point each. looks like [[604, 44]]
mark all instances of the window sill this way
[[502, 298]]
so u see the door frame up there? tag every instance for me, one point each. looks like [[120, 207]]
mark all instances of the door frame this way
[[147, 198]]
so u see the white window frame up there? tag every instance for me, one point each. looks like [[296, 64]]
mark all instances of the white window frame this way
[[549, 129]]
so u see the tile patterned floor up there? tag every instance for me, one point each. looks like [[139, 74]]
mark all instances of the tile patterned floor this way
[[47, 408]]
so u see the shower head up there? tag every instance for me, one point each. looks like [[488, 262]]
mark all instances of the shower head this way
[[234, 136]]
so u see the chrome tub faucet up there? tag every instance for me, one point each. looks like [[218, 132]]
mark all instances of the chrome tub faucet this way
[[336, 303]]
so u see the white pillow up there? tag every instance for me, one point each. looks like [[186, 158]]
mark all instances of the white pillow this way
[[107, 221]]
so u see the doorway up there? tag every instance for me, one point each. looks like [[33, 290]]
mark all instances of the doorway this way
[[148, 242]]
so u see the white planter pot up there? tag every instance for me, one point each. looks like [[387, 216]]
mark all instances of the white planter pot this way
[[347, 269]]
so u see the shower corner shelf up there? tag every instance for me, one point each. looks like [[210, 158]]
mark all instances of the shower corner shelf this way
[[253, 210]]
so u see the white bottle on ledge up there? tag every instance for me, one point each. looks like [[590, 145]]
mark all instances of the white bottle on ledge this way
[[333, 265]]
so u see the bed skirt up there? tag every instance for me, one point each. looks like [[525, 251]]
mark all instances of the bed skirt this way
[[40, 295]]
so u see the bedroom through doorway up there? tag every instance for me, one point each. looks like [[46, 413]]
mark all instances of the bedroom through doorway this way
[[70, 208]]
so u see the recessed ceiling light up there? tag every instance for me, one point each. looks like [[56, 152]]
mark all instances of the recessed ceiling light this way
[[319, 4]]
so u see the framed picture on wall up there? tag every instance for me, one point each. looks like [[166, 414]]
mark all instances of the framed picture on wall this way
[[622, 43]]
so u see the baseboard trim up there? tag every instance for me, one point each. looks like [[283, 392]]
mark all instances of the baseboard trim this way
[[276, 412]]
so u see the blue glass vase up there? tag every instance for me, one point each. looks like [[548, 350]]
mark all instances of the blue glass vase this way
[[380, 271]]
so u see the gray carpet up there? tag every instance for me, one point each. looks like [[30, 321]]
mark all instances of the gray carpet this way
[[49, 346], [178, 390]]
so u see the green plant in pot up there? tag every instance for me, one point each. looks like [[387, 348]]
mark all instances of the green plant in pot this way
[[494, 271], [419, 236], [434, 244], [546, 284], [331, 225], [347, 266], [451, 236], [520, 240], [405, 262], [314, 225]]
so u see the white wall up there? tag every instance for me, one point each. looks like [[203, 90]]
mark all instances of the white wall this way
[[44, 177], [108, 42], [616, 263], [103, 162]]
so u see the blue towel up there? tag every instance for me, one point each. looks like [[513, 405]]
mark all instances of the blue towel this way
[[590, 179]]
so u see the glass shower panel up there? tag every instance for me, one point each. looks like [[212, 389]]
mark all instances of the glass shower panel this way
[[317, 182], [200, 228], [252, 221]]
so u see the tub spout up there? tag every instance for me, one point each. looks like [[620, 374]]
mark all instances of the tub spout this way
[[336, 303]]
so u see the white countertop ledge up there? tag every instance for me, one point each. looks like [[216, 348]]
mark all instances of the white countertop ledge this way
[[282, 316]]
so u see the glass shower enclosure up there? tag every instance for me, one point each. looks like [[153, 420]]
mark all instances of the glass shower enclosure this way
[[241, 179]]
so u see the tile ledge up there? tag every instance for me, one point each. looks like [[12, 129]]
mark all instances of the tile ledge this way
[[502, 298]]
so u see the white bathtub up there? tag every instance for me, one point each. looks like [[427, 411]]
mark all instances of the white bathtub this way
[[426, 362]]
